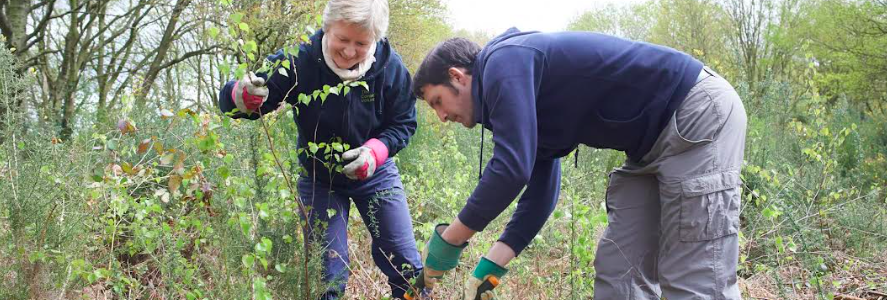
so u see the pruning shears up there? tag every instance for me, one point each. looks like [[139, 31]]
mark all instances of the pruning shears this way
[[490, 282]]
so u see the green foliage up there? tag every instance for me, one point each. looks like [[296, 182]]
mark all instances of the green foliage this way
[[848, 38], [809, 200], [411, 17], [632, 21]]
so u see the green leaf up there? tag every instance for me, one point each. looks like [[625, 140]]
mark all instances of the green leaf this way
[[330, 213], [267, 243], [312, 147], [213, 32], [245, 223], [225, 68], [243, 27], [334, 90], [304, 99], [250, 46], [236, 17], [326, 89], [338, 147], [285, 64], [241, 70], [248, 260], [223, 172], [323, 98], [282, 71], [346, 90], [280, 268]]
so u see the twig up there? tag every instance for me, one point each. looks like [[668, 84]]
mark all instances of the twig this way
[[295, 194], [846, 297]]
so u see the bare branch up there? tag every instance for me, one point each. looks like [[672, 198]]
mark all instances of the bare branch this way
[[42, 3], [44, 21], [34, 59], [189, 55]]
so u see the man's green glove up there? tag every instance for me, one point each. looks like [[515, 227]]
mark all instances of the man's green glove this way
[[485, 278], [438, 257]]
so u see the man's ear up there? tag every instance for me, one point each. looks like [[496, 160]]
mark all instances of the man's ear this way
[[457, 74]]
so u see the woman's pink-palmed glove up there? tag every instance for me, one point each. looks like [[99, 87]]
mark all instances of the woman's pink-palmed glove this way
[[367, 159], [249, 93]]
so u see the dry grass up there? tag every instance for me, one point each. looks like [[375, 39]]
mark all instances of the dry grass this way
[[865, 279], [537, 274]]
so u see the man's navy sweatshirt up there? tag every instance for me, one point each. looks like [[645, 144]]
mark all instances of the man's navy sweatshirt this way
[[543, 94]]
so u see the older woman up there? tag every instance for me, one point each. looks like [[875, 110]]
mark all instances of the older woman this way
[[378, 122]]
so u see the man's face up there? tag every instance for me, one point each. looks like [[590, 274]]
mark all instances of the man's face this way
[[452, 105], [348, 43]]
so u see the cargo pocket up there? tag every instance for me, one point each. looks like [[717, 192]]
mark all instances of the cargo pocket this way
[[710, 206]]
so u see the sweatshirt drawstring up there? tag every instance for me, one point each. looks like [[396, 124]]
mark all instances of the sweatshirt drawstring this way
[[480, 159]]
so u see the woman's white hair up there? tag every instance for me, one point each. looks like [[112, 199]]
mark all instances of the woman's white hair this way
[[369, 14]]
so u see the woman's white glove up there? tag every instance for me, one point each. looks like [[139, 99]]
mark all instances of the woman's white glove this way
[[366, 159], [249, 93]]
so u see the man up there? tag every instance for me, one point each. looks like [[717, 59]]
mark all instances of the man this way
[[673, 207]]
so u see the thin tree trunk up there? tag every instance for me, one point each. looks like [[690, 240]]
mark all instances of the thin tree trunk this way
[[68, 72], [165, 43], [199, 83], [100, 72]]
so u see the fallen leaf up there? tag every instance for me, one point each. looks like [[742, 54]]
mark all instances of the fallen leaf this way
[[144, 145], [174, 182]]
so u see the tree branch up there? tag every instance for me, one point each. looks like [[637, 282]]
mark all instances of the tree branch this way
[[44, 21], [42, 3], [189, 55], [34, 59]]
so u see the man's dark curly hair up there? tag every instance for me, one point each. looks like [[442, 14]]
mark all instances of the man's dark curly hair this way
[[434, 70]]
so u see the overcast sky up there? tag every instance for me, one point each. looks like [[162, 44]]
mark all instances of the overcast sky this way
[[494, 16]]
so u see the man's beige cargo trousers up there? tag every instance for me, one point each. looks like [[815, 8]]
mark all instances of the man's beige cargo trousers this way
[[674, 216]]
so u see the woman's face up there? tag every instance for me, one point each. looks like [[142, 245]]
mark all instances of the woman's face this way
[[348, 43]]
